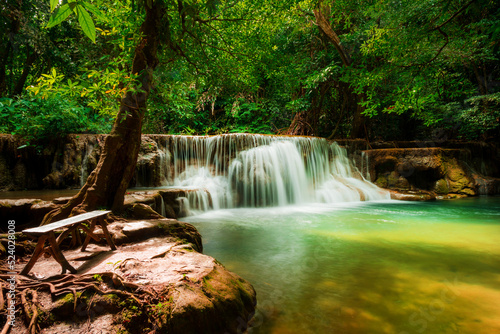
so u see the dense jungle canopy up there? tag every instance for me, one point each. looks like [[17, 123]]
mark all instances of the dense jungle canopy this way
[[381, 70]]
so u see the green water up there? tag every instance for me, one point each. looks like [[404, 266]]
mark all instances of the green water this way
[[390, 267]]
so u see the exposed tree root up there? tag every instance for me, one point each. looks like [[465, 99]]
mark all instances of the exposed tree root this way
[[2, 301], [6, 327], [102, 283]]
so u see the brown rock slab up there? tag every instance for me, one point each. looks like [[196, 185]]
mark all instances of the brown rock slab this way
[[413, 195], [200, 295]]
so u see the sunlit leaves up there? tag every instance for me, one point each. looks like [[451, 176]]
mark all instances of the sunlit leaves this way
[[60, 14], [53, 4], [86, 23], [94, 10], [79, 7]]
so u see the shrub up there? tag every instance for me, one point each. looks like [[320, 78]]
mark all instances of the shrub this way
[[40, 119]]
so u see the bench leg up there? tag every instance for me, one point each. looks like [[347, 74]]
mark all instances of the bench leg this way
[[36, 254], [87, 238], [58, 255], [104, 226], [63, 235]]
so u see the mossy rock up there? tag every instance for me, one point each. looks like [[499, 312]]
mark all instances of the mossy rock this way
[[392, 179], [468, 191], [441, 187], [382, 181], [455, 173], [403, 183]]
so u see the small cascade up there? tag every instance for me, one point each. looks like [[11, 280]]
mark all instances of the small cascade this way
[[200, 200], [164, 162], [243, 170], [269, 175], [162, 212], [365, 165], [184, 209], [84, 173]]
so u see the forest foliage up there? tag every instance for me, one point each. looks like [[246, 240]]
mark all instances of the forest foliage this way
[[416, 69]]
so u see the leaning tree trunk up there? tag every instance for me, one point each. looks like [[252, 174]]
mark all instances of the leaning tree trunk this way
[[106, 185], [30, 59], [325, 27]]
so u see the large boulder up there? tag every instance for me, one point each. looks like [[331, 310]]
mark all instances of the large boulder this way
[[442, 171], [25, 212]]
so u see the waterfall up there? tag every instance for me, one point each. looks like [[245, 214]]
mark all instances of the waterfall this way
[[164, 162], [162, 210], [365, 165], [243, 170], [84, 173]]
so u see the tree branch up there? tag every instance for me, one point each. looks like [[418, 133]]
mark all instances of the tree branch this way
[[326, 28], [454, 15], [447, 40]]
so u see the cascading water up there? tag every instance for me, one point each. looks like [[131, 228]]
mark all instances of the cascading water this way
[[244, 170], [365, 165], [84, 173]]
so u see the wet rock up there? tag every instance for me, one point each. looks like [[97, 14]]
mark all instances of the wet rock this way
[[441, 187], [487, 185], [137, 231], [154, 200], [61, 200], [413, 195], [142, 211], [153, 164], [450, 196], [26, 212]]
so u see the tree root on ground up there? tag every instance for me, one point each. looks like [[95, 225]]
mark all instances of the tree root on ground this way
[[27, 289]]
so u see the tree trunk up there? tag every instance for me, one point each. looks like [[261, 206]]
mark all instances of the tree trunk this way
[[300, 125], [4, 55], [305, 123], [30, 59], [358, 120], [106, 185], [325, 27]]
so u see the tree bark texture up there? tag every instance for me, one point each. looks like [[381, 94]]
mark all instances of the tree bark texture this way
[[325, 27], [305, 119], [306, 123], [106, 185], [30, 59]]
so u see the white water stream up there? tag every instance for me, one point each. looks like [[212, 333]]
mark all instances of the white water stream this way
[[243, 170]]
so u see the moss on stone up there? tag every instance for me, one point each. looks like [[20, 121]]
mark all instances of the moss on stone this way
[[392, 179], [382, 181], [441, 187]]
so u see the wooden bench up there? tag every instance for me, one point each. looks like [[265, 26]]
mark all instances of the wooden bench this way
[[70, 226]]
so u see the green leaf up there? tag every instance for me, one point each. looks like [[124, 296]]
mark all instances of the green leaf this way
[[86, 23], [94, 10], [53, 4], [59, 15]]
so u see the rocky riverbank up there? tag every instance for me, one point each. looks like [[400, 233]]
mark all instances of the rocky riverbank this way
[[165, 285]]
